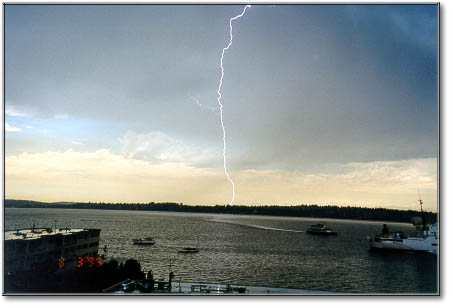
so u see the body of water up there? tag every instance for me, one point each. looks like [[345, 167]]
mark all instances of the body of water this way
[[249, 250]]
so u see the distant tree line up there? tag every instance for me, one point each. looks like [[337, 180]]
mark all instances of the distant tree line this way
[[328, 211]]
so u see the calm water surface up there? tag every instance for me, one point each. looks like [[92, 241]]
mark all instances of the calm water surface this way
[[249, 250]]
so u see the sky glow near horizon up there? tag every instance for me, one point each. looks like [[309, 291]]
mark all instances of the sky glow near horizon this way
[[323, 104]]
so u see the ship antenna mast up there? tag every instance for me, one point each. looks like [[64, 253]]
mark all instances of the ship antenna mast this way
[[421, 210], [421, 201]]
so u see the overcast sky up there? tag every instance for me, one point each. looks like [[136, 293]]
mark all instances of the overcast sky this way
[[322, 103]]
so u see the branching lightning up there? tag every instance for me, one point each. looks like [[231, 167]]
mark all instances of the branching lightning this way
[[201, 105], [220, 97]]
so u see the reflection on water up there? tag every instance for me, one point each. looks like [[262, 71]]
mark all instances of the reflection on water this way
[[250, 250]]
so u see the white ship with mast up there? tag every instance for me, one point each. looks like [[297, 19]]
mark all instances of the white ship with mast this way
[[425, 239]]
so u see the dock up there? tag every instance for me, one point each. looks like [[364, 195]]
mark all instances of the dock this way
[[135, 287]]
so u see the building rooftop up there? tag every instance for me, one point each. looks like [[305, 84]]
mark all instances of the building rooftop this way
[[36, 233]]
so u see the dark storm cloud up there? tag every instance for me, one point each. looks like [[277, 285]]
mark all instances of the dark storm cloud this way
[[304, 85], [338, 87]]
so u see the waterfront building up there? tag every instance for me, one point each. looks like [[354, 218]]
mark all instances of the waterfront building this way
[[50, 249]]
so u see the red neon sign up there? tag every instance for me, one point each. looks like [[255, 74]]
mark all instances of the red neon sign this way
[[83, 262]]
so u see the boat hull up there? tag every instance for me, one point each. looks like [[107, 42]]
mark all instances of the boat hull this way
[[322, 232], [144, 243], [188, 250], [424, 245]]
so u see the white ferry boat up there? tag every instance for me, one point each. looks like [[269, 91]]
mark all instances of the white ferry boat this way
[[425, 240]]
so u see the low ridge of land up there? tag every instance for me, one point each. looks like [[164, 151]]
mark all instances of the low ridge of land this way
[[327, 211]]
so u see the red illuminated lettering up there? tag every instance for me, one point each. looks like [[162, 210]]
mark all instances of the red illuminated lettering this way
[[98, 261], [90, 261], [61, 262], [80, 263]]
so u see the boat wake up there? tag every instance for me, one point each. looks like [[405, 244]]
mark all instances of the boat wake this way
[[273, 229], [258, 226]]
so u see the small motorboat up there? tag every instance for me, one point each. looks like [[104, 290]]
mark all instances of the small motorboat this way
[[188, 250], [320, 229], [144, 241]]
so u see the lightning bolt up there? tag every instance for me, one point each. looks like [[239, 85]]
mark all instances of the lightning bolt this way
[[201, 105], [220, 97]]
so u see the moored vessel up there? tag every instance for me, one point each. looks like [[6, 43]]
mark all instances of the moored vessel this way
[[424, 240]]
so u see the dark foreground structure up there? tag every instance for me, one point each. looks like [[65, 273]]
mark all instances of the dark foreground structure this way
[[84, 279], [38, 249], [51, 260]]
